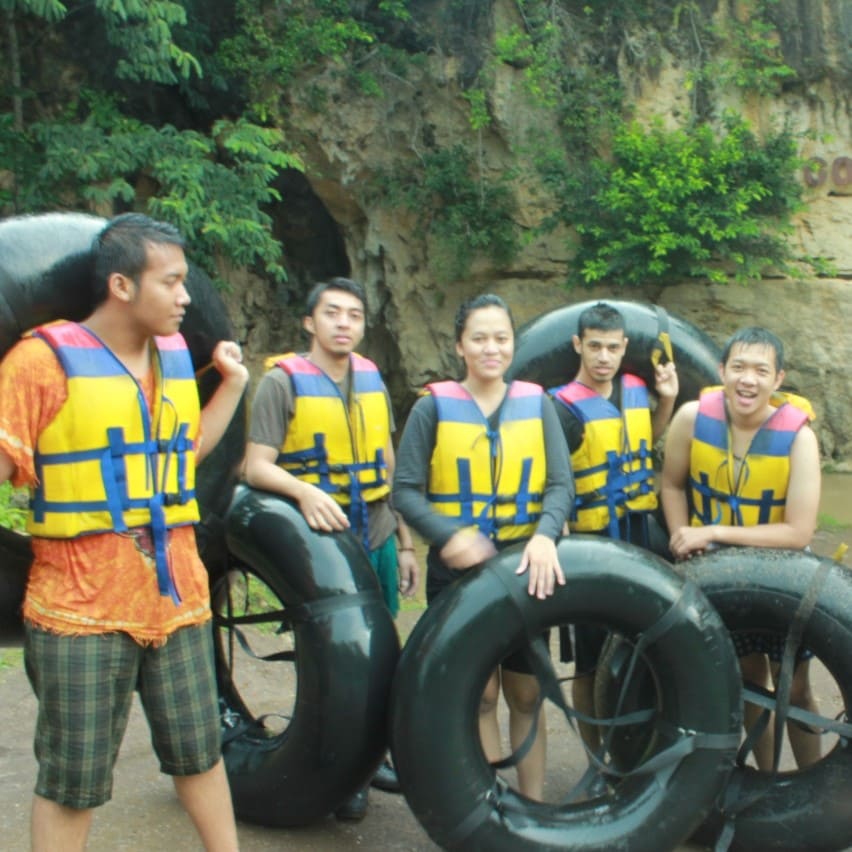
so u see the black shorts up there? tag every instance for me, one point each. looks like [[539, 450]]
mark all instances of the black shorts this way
[[583, 644], [440, 577]]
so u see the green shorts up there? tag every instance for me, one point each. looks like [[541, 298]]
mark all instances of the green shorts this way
[[386, 566], [85, 686]]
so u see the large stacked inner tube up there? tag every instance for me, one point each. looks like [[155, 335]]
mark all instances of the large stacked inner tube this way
[[346, 649], [754, 589], [762, 589], [459, 640], [545, 354], [45, 264]]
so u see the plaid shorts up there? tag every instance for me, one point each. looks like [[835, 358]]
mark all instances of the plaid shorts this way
[[85, 686]]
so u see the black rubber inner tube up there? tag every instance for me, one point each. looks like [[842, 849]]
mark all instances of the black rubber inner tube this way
[[326, 594], [45, 263], [459, 640], [545, 354], [762, 589]]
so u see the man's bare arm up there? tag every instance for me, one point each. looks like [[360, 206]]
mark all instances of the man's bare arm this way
[[219, 411], [318, 508]]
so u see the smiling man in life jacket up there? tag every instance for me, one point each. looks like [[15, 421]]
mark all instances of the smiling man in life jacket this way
[[610, 429], [742, 468], [320, 434]]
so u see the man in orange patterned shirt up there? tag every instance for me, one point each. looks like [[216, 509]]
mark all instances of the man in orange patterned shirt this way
[[101, 421]]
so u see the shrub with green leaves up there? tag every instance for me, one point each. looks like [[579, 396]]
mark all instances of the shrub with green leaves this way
[[93, 150], [672, 204], [215, 188], [466, 215], [281, 42], [755, 62]]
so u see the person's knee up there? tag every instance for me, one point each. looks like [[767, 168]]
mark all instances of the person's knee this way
[[490, 695], [524, 704], [522, 693], [755, 668]]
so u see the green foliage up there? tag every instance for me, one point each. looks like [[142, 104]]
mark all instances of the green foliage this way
[[47, 10], [760, 66], [647, 205], [467, 217], [479, 115], [214, 188], [13, 513], [675, 204], [538, 55], [756, 63], [11, 658], [395, 9], [277, 44], [561, 74], [143, 31], [825, 521], [216, 184]]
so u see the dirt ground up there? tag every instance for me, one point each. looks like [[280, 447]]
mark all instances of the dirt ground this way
[[144, 813]]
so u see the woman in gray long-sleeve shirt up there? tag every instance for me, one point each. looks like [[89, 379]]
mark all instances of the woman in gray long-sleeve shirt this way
[[483, 464]]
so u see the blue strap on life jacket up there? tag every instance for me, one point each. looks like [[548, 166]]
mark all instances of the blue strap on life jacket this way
[[765, 503], [159, 535]]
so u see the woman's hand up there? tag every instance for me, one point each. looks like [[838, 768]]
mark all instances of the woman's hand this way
[[540, 558], [467, 548]]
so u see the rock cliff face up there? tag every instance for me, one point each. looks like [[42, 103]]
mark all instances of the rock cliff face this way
[[339, 228]]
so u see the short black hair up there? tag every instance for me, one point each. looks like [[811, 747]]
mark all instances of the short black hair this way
[[347, 285], [755, 335], [122, 246], [601, 317], [484, 300]]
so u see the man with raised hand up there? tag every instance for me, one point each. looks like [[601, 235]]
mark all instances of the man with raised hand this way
[[610, 429]]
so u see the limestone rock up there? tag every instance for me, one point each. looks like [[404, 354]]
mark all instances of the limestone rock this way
[[411, 311]]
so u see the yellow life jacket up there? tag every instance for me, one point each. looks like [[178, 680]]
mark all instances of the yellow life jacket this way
[[614, 466], [105, 463], [758, 493], [493, 480], [335, 445]]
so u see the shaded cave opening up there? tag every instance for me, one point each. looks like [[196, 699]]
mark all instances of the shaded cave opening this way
[[315, 250]]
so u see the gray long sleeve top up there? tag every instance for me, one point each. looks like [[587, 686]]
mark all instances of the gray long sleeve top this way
[[413, 459]]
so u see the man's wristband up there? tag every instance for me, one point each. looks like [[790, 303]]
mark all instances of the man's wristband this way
[[403, 549]]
